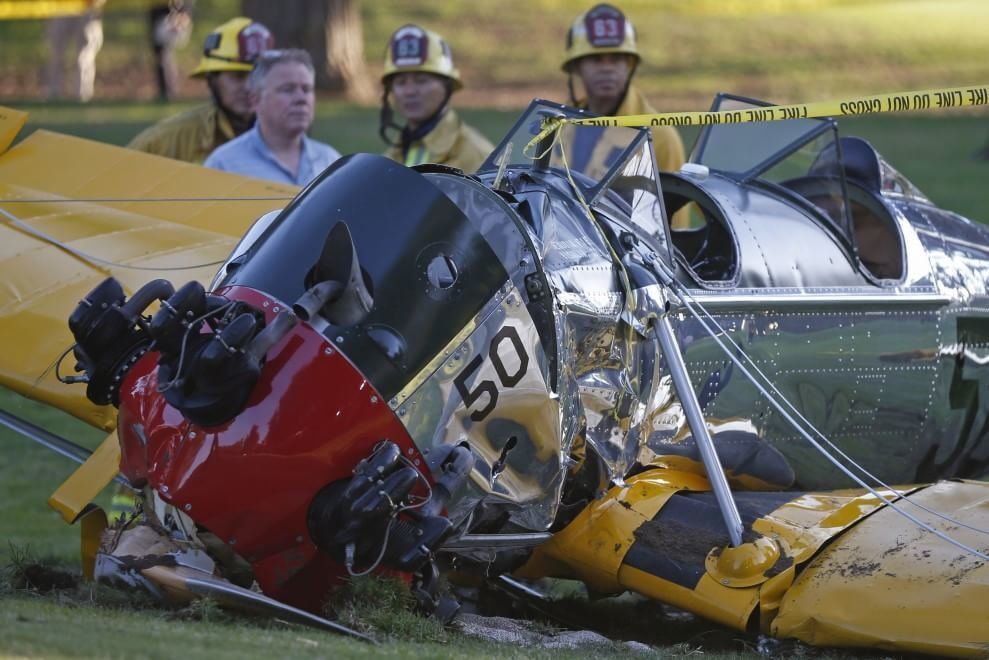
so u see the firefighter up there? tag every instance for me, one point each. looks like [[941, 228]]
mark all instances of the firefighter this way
[[601, 52], [420, 78], [228, 56]]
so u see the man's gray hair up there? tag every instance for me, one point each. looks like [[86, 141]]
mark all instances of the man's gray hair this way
[[269, 58]]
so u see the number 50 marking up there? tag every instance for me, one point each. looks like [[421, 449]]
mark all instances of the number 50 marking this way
[[470, 396]]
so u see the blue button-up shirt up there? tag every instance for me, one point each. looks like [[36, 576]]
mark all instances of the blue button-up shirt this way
[[249, 155]]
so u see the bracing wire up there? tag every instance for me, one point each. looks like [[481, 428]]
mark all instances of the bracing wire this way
[[96, 261], [686, 298], [810, 426]]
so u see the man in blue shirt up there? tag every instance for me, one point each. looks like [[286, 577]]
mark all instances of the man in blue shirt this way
[[283, 97]]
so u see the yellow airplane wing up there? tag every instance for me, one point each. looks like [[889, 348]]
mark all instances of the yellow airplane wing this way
[[73, 212]]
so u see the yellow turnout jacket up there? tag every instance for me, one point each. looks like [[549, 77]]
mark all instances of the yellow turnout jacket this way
[[451, 142], [189, 136], [666, 143]]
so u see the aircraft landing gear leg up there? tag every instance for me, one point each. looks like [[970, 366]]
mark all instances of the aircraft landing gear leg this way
[[425, 588]]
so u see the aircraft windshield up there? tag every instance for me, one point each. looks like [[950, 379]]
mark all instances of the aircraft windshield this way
[[593, 154], [891, 181], [800, 155], [748, 149], [428, 268], [781, 150], [615, 163]]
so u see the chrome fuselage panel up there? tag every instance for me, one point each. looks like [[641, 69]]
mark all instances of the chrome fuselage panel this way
[[863, 360]]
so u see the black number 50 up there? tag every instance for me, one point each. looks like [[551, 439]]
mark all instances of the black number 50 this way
[[470, 396]]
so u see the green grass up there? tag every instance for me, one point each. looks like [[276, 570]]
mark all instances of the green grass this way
[[32, 626], [47, 611], [53, 626], [61, 616], [29, 473]]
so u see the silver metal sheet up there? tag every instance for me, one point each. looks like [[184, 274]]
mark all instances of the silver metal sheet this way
[[861, 358], [513, 421]]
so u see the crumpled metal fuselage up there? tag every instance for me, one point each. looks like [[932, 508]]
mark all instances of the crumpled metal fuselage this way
[[888, 368], [868, 361]]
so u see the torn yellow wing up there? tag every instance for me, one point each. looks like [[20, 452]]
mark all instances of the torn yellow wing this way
[[73, 212]]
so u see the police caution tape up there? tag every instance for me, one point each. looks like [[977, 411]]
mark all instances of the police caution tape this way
[[929, 100], [11, 9], [935, 99]]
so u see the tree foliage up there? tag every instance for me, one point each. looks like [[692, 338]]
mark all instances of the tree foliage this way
[[330, 30]]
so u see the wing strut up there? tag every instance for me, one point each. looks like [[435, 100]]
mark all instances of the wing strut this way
[[691, 407], [56, 443], [695, 419]]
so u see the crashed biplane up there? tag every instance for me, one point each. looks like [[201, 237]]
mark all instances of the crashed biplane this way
[[775, 418]]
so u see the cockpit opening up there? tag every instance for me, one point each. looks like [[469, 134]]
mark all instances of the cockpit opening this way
[[876, 237], [706, 247], [842, 181]]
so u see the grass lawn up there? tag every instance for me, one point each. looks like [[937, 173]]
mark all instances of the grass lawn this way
[[29, 473], [79, 625], [33, 626]]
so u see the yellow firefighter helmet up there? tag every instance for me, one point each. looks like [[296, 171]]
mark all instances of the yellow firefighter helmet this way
[[602, 29], [234, 46], [412, 48]]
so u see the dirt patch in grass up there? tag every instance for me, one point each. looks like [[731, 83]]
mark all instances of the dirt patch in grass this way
[[41, 578]]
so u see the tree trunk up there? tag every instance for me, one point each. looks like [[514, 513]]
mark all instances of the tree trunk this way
[[330, 30], [345, 49]]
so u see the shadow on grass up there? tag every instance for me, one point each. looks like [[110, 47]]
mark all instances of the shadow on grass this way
[[384, 608]]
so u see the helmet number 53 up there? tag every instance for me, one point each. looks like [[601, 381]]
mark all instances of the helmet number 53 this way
[[519, 363]]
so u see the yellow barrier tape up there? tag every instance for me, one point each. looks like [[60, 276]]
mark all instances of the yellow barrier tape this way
[[35, 9], [24, 9], [934, 99]]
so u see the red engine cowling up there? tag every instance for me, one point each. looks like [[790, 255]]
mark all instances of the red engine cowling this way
[[309, 420]]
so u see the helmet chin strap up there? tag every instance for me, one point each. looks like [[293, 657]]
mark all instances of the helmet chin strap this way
[[238, 122], [386, 120], [406, 136]]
